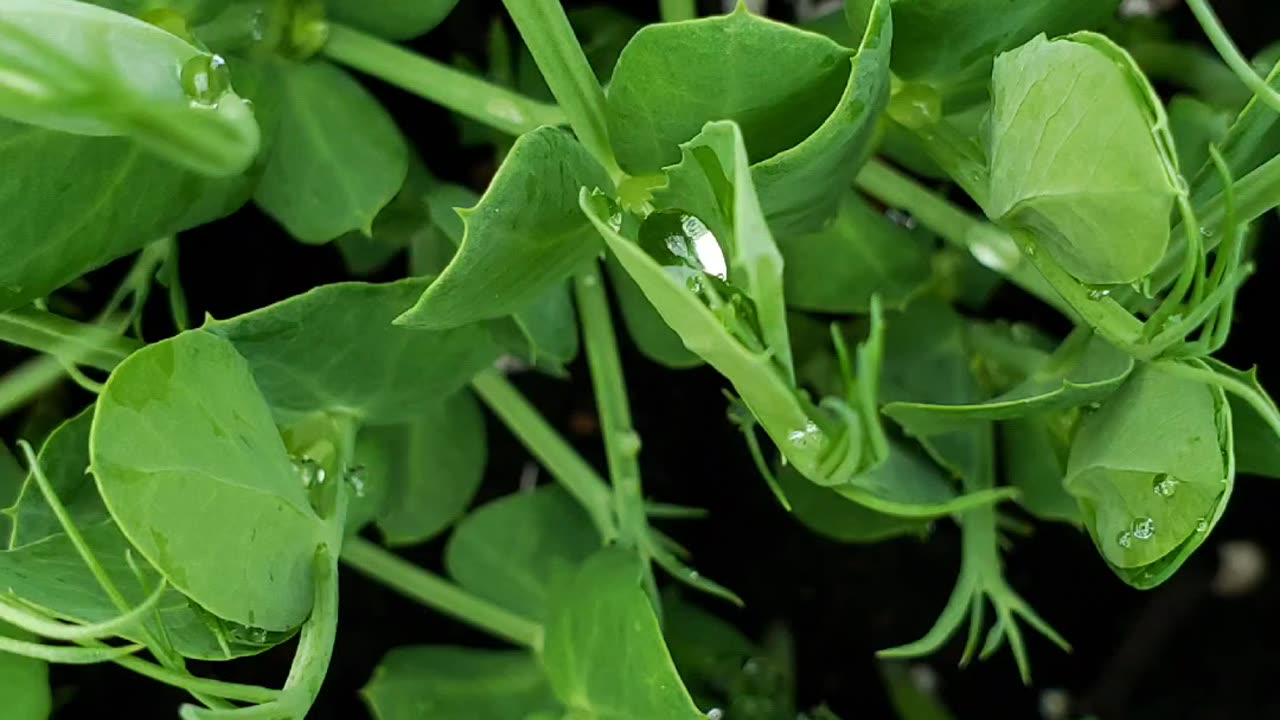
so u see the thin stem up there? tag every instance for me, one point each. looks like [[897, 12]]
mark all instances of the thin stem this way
[[32, 378], [77, 342], [435, 592], [547, 33], [467, 94], [556, 455], [621, 443], [197, 685], [677, 10], [1191, 67], [1231, 54], [989, 245]]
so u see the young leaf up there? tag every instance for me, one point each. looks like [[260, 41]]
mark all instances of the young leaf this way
[[79, 68], [604, 653], [950, 40], [64, 458], [780, 86], [392, 19], [190, 464], [1080, 154], [433, 682], [524, 236], [1152, 470], [313, 352], [339, 158], [431, 467], [511, 550], [25, 682], [861, 253], [830, 514]]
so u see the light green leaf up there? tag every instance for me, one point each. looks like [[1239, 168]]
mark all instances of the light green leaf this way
[[1152, 470], [335, 349], [190, 464], [830, 514], [1034, 451], [431, 467], [338, 160], [79, 68], [433, 682], [1085, 369], [802, 186], [525, 236], [25, 682], [392, 19], [511, 550], [859, 254], [1080, 154], [64, 457], [778, 83], [949, 40], [604, 653]]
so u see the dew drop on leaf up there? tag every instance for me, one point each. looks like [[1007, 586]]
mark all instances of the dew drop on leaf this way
[[806, 437], [204, 79], [1098, 293], [1164, 485], [1144, 528], [1124, 540]]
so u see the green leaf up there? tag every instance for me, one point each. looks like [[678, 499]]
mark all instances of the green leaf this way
[[190, 464], [392, 19], [335, 349], [1034, 451], [64, 457], [432, 682], [949, 40], [1257, 447], [526, 235], [1152, 470], [1195, 125], [802, 186], [339, 158], [511, 550], [1085, 369], [778, 83], [25, 682], [1080, 154], [861, 253], [604, 653], [404, 223], [431, 467], [84, 201], [79, 68], [830, 514]]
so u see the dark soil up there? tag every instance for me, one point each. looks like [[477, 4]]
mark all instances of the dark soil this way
[[1175, 652]]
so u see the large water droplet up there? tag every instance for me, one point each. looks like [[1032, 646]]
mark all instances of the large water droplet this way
[[715, 714], [677, 239], [1164, 485], [807, 437], [204, 79], [308, 471], [1144, 528]]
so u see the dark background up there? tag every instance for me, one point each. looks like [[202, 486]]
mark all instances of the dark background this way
[[1176, 652]]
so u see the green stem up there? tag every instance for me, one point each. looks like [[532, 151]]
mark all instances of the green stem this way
[[546, 31], [556, 455], [435, 592], [77, 342], [1242, 390], [1222, 42], [621, 443], [29, 380], [677, 10], [987, 243], [197, 685], [462, 92]]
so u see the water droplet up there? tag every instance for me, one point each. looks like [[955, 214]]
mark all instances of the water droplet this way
[[307, 470], [1164, 485], [1030, 250], [505, 110], [1144, 528], [1202, 525], [806, 437], [1124, 540], [258, 635], [204, 79], [715, 714], [751, 667], [355, 480], [901, 218], [692, 575], [1099, 293], [1206, 231], [258, 25]]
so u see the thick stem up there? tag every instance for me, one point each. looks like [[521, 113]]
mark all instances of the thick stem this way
[[462, 92], [67, 339], [25, 382], [435, 592], [557, 456]]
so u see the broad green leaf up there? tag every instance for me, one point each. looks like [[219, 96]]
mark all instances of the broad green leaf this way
[[435, 682], [338, 160], [64, 458], [713, 183], [84, 201], [1257, 446], [392, 19], [432, 467], [1080, 155], [190, 464], [1034, 452], [652, 337], [830, 514], [860, 253], [511, 550], [404, 223], [25, 682], [1085, 369], [51, 576], [941, 40], [1152, 470], [604, 653], [525, 235], [335, 349], [79, 68], [777, 82], [802, 186]]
